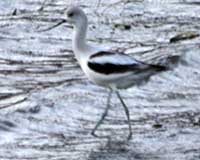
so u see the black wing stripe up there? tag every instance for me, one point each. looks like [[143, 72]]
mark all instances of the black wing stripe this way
[[101, 54], [112, 68], [108, 68]]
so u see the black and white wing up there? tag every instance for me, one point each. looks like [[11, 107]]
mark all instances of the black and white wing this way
[[109, 62]]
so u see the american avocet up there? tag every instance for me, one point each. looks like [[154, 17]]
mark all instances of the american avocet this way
[[105, 67]]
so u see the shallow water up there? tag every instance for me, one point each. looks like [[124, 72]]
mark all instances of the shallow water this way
[[48, 107]]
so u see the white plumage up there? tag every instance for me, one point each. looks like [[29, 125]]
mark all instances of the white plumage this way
[[107, 68], [114, 59]]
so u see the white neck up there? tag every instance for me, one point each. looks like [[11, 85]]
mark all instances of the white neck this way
[[79, 36]]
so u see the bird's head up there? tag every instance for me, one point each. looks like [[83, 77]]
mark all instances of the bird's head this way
[[76, 16]]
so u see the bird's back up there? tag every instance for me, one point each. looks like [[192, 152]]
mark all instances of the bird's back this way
[[120, 70]]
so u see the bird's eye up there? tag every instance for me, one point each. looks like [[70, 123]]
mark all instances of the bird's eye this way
[[71, 14]]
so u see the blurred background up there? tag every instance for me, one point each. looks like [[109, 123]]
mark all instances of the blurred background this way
[[48, 107]]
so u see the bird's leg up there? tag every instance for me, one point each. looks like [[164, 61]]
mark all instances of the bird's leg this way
[[103, 115], [127, 114]]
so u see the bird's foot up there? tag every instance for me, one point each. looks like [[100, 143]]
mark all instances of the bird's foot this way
[[94, 134], [129, 136]]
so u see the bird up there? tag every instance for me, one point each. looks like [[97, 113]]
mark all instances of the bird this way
[[106, 67]]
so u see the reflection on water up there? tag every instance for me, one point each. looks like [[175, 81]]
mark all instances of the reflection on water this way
[[48, 107]]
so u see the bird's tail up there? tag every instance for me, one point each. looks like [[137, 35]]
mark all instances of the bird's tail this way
[[173, 61], [168, 64]]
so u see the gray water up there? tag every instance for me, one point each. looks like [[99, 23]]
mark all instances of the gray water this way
[[48, 107]]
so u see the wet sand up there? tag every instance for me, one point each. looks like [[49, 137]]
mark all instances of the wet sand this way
[[48, 107]]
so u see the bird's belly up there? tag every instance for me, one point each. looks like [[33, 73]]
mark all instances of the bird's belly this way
[[95, 77], [120, 80]]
